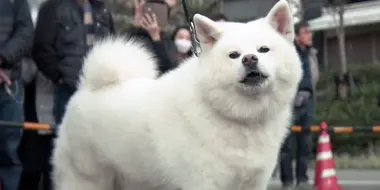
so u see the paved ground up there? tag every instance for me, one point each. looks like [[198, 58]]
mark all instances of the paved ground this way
[[348, 179]]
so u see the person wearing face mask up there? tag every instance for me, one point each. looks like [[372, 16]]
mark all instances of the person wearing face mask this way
[[182, 40]]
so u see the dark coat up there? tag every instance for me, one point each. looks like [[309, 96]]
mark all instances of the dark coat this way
[[303, 114], [34, 149], [16, 35], [60, 38], [306, 83]]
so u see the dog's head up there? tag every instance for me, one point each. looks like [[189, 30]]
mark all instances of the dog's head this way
[[249, 59]]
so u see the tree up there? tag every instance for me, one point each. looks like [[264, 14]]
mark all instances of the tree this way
[[344, 79], [204, 7], [123, 7], [297, 9], [337, 7], [122, 13]]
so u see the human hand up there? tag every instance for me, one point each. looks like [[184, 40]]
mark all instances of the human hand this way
[[4, 78], [301, 98], [150, 24], [139, 7]]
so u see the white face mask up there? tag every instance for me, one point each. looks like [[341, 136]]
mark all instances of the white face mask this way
[[183, 46]]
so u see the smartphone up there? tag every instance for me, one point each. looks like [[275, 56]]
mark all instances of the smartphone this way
[[161, 10]]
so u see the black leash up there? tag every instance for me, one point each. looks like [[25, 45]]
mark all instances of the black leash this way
[[196, 48]]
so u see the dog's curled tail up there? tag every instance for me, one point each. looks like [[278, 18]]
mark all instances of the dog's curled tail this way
[[114, 60]]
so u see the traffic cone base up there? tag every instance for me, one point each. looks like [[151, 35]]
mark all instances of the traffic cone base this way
[[325, 173]]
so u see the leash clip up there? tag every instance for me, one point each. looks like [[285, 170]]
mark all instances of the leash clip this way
[[195, 44]]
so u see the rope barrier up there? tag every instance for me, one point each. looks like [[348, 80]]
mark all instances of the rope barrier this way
[[26, 125], [295, 129], [338, 129]]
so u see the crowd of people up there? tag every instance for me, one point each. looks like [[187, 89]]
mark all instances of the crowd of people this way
[[40, 65]]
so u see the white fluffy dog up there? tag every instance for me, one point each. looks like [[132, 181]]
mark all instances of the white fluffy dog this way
[[214, 123]]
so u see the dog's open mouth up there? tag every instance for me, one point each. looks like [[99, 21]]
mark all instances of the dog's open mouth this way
[[254, 78]]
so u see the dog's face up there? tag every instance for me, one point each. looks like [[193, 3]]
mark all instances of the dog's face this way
[[252, 57], [249, 68]]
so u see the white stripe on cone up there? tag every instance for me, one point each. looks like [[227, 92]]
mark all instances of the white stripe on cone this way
[[324, 155], [323, 139], [328, 173]]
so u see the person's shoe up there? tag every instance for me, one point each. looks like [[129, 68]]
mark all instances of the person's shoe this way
[[304, 186], [287, 187]]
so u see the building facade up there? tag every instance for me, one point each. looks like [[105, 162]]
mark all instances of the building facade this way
[[362, 33]]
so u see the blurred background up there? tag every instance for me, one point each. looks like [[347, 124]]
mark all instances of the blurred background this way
[[346, 43], [347, 37]]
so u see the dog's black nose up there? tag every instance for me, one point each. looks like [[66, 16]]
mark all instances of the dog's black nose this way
[[250, 60]]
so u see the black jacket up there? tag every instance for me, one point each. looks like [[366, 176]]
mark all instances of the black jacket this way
[[164, 49], [306, 81], [60, 38], [16, 35]]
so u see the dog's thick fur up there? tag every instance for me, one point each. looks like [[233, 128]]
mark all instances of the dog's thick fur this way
[[196, 128]]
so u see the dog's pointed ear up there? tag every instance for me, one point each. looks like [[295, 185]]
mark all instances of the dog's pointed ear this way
[[207, 30], [281, 19]]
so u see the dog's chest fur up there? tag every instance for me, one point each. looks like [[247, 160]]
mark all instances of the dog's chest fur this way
[[231, 155]]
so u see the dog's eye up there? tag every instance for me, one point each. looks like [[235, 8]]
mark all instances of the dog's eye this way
[[263, 49], [234, 55]]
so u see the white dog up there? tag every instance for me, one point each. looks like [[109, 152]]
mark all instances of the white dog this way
[[215, 123]]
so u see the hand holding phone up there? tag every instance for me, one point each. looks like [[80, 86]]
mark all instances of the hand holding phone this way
[[150, 24], [160, 9]]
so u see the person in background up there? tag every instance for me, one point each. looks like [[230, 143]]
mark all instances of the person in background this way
[[58, 52], [182, 39], [147, 30], [35, 146], [65, 32], [314, 70], [219, 18], [303, 116], [16, 36]]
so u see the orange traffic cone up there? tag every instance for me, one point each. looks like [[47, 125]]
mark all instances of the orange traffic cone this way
[[325, 174]]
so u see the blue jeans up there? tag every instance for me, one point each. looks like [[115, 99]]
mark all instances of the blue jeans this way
[[11, 109], [303, 118], [62, 96]]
